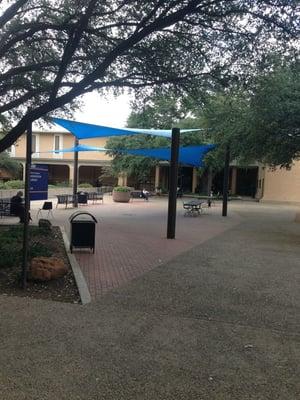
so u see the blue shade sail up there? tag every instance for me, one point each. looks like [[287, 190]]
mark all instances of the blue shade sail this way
[[190, 155], [80, 147], [88, 131]]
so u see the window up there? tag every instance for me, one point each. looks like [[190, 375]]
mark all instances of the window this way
[[56, 143], [11, 151], [35, 146]]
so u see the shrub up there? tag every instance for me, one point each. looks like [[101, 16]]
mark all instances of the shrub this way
[[122, 189], [85, 185], [17, 184], [39, 250], [60, 184], [9, 255], [11, 240]]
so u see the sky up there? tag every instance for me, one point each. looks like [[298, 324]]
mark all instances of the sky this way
[[99, 110], [109, 111]]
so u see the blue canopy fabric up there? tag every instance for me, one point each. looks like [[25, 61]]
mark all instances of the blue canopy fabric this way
[[79, 147], [190, 155], [88, 131]]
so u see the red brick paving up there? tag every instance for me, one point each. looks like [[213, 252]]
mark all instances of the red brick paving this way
[[131, 240]]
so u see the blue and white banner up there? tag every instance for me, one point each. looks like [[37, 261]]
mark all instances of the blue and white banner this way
[[38, 182]]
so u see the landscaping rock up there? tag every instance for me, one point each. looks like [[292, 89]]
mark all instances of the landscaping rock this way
[[47, 268]]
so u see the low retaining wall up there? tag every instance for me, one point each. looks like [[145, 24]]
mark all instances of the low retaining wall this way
[[52, 192]]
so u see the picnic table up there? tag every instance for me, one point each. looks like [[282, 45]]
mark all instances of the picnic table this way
[[193, 208]]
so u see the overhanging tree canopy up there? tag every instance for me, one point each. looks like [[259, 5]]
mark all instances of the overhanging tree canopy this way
[[53, 51]]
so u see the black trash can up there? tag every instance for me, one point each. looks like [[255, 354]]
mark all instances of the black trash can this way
[[82, 198], [82, 231]]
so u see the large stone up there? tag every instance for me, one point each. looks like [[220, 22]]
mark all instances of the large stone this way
[[47, 268]]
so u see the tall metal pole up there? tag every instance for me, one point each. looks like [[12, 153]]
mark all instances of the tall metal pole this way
[[75, 176], [173, 181], [27, 206], [226, 181]]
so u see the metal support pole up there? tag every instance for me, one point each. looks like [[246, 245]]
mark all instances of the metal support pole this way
[[209, 181], [173, 182], [75, 176], [27, 207], [226, 181]]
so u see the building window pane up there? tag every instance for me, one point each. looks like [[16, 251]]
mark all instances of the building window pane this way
[[33, 144], [56, 143]]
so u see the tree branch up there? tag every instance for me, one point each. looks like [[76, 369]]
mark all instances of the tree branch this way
[[11, 11]]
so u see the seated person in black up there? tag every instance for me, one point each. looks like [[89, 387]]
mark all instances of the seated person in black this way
[[17, 207]]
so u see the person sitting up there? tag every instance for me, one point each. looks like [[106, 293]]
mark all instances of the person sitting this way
[[179, 191], [17, 207], [145, 194]]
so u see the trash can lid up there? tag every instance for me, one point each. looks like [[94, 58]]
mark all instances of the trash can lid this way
[[78, 213]]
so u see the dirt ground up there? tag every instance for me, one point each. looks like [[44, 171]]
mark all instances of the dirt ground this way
[[63, 289]]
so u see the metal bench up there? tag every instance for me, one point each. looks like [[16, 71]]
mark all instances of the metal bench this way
[[136, 194], [5, 208], [94, 197], [65, 199]]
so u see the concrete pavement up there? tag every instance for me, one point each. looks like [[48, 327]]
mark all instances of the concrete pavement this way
[[219, 321]]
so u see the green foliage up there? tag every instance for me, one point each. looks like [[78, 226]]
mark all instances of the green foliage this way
[[38, 249], [17, 184], [138, 167], [60, 184], [85, 185], [274, 118], [53, 52], [261, 123], [122, 189], [11, 240], [9, 164]]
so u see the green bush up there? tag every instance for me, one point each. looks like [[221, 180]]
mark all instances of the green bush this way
[[85, 185], [63, 184], [9, 255], [39, 250], [122, 189], [17, 184], [11, 240]]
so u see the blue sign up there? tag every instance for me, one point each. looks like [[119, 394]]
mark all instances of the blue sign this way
[[38, 182]]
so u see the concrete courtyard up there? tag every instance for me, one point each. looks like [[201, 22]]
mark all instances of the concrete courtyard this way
[[214, 314]]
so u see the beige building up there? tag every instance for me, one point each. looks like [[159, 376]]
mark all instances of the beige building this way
[[280, 184], [263, 183], [60, 165]]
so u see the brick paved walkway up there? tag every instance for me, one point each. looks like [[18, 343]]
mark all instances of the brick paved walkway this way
[[131, 240]]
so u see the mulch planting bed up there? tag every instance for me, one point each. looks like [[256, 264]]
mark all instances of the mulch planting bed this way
[[43, 243]]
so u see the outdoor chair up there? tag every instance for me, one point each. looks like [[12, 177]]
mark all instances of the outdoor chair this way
[[47, 206]]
